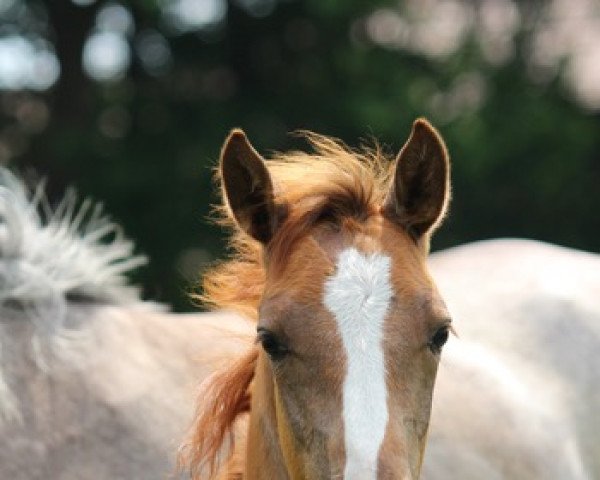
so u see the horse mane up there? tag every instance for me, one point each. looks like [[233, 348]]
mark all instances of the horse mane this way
[[332, 184], [71, 251], [50, 257], [222, 398]]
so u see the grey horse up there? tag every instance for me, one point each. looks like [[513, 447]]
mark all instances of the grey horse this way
[[97, 384]]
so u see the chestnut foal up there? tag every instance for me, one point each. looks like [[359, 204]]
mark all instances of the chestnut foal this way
[[330, 261]]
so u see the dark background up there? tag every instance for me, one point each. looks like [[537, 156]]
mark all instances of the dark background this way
[[130, 101]]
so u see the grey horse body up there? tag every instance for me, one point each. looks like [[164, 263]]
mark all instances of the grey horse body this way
[[518, 392], [102, 386], [117, 406], [94, 383]]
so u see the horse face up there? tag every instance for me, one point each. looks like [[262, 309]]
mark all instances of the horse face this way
[[350, 322], [352, 331]]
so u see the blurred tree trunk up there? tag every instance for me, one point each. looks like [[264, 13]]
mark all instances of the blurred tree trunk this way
[[71, 99], [70, 25]]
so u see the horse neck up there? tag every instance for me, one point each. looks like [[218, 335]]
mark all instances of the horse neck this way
[[267, 434]]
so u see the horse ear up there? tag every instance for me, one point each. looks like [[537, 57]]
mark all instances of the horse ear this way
[[247, 187], [418, 197]]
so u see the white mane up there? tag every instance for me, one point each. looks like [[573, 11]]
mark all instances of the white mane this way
[[73, 249], [48, 256]]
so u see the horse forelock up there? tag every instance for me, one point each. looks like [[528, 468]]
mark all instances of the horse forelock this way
[[334, 184]]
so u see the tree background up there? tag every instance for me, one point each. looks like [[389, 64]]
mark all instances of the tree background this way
[[130, 101]]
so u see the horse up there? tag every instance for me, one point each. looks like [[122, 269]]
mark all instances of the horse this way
[[96, 383], [330, 263]]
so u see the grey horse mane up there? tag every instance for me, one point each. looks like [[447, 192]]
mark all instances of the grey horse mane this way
[[51, 258]]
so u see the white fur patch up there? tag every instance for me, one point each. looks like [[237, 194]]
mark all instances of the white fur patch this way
[[358, 295]]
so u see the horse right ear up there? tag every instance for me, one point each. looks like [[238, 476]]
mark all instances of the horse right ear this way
[[247, 187]]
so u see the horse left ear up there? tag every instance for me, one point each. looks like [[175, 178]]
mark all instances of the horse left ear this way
[[247, 187], [418, 197]]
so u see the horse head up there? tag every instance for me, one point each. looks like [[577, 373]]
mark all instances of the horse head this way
[[331, 262]]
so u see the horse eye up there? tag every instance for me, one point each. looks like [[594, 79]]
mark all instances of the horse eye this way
[[439, 339], [271, 344]]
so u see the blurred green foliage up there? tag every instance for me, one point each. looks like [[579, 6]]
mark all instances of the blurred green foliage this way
[[525, 151]]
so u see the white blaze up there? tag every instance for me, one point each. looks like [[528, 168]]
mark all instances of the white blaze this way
[[358, 296]]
